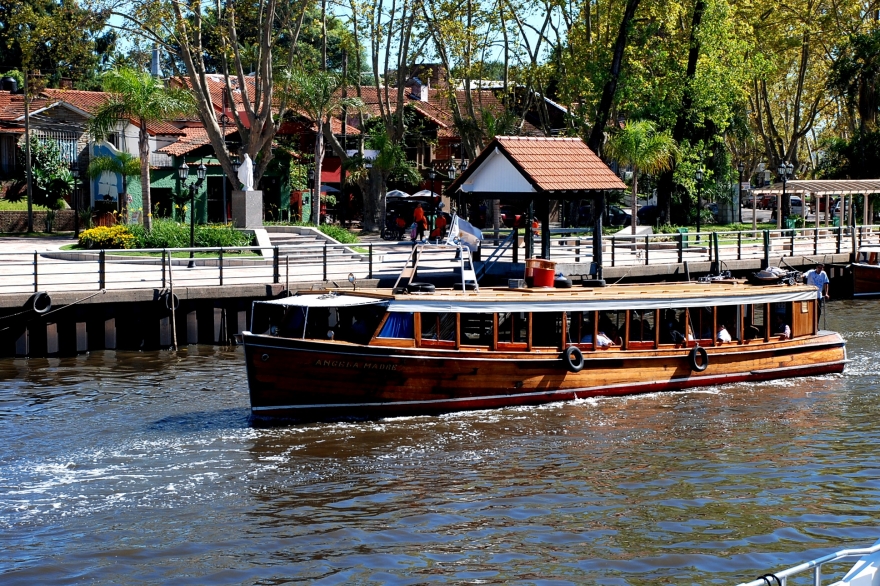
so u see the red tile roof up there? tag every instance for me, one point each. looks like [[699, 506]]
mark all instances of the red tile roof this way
[[438, 108], [88, 102], [551, 165], [193, 138], [12, 105]]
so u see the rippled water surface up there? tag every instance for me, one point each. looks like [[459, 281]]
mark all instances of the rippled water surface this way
[[122, 467]]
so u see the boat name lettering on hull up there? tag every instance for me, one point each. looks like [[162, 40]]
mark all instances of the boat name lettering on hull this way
[[357, 365]]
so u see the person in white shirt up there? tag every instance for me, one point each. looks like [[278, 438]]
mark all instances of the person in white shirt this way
[[819, 279], [602, 341], [782, 328], [723, 334]]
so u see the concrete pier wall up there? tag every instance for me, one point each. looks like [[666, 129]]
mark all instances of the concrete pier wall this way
[[138, 319]]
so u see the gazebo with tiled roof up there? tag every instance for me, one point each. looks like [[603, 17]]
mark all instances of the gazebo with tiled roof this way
[[538, 170]]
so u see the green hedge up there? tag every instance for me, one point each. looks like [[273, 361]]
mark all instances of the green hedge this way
[[338, 233], [165, 234]]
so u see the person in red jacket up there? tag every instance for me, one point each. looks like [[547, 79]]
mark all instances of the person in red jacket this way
[[421, 222]]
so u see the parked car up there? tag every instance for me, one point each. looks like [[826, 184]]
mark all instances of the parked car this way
[[513, 218], [797, 206], [713, 209], [648, 215], [615, 217], [767, 202]]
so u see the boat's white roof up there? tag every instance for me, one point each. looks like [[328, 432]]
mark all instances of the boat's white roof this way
[[661, 296], [615, 297], [325, 299]]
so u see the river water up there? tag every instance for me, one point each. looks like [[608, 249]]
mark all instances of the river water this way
[[144, 468]]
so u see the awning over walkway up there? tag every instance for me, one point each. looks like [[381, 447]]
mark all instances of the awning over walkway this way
[[822, 187]]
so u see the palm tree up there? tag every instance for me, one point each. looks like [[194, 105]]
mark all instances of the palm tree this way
[[316, 96], [124, 164], [639, 145], [141, 98]]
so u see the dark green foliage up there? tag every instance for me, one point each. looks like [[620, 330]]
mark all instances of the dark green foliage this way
[[170, 234], [165, 234], [216, 235], [338, 233], [51, 177], [858, 158], [856, 76]]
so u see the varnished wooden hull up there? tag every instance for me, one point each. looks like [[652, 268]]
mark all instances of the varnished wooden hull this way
[[316, 380], [866, 280]]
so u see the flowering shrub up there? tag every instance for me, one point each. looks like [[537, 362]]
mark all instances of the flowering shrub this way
[[107, 237]]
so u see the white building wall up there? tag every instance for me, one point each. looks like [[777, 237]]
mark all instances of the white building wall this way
[[497, 174]]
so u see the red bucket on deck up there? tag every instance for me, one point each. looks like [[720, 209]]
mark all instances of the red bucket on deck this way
[[543, 277]]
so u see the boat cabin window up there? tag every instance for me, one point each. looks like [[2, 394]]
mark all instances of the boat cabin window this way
[[357, 324], [613, 325], [398, 325], [267, 318], [727, 316], [513, 328], [641, 327], [755, 322], [672, 326], [477, 329], [547, 329], [438, 327]]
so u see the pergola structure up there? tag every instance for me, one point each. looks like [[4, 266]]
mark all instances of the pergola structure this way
[[539, 170], [818, 188]]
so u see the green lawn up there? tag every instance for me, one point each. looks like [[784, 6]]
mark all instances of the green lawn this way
[[18, 206]]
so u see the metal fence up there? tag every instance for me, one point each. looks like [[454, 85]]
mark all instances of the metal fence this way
[[329, 262]]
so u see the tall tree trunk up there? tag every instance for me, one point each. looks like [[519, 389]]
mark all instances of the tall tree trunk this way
[[319, 160], [665, 184], [635, 194], [144, 149], [597, 134]]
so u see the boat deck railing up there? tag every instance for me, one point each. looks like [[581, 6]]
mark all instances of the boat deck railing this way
[[815, 566]]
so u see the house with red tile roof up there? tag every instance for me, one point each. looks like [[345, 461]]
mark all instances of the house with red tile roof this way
[[62, 116]]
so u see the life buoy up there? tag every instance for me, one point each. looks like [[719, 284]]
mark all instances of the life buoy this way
[[704, 358], [41, 302], [574, 359], [172, 301], [468, 286], [420, 288]]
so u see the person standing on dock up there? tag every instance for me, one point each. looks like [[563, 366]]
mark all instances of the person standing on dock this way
[[819, 279], [421, 222]]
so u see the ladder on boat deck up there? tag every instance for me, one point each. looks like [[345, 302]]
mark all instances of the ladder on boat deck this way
[[411, 267]]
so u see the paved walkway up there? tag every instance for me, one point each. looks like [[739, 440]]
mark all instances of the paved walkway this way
[[55, 270], [33, 244]]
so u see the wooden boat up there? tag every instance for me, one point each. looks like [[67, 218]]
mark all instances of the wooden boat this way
[[866, 273], [375, 353]]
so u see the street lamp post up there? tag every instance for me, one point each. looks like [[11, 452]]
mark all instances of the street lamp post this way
[[74, 171], [741, 167], [183, 173], [432, 175], [699, 177], [785, 171]]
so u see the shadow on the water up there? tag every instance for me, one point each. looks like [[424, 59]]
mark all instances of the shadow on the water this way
[[203, 420]]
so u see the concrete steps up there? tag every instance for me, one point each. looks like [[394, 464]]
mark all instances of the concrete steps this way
[[309, 247]]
